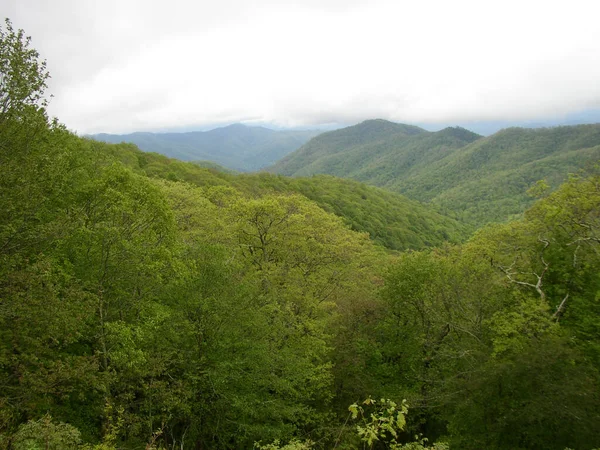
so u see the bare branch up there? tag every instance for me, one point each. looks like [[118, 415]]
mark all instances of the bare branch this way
[[560, 308], [537, 286]]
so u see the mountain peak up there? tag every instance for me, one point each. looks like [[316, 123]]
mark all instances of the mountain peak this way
[[382, 125], [460, 133], [346, 150]]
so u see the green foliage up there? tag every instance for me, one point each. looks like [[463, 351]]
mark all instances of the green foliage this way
[[23, 76], [477, 179], [541, 380], [150, 303], [544, 396], [294, 444], [498, 338], [512, 330], [383, 424], [390, 219], [43, 434], [345, 149], [380, 423]]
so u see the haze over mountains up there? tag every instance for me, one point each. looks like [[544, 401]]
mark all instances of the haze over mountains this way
[[237, 146], [479, 178]]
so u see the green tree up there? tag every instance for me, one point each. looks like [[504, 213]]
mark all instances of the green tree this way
[[24, 76], [23, 81], [538, 386], [43, 434]]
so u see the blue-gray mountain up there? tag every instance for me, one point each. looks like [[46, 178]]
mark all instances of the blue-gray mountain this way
[[237, 146]]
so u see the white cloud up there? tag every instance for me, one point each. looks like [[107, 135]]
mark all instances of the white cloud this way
[[122, 65]]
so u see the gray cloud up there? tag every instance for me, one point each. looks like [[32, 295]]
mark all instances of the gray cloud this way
[[125, 65]]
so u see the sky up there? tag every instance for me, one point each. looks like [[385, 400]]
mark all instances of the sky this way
[[120, 66]]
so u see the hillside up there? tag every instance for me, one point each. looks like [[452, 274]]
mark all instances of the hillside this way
[[488, 180], [338, 152], [480, 179], [237, 146], [391, 219]]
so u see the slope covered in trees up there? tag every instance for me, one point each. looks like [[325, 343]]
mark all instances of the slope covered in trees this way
[[342, 151], [138, 310], [480, 179], [488, 180], [391, 220], [237, 147]]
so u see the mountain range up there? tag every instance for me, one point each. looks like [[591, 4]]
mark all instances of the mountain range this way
[[474, 178], [481, 179], [236, 146]]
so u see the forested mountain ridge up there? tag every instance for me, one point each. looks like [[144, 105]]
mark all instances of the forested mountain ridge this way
[[149, 303], [237, 146], [481, 179], [339, 143], [488, 179], [391, 219]]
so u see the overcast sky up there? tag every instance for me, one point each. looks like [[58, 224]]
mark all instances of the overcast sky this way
[[132, 65]]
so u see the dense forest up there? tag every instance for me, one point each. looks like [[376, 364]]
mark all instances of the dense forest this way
[[149, 303], [477, 179]]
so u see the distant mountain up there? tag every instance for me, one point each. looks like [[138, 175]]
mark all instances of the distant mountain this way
[[480, 179], [488, 127], [341, 152], [237, 146], [488, 179]]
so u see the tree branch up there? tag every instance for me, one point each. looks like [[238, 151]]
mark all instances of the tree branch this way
[[560, 308]]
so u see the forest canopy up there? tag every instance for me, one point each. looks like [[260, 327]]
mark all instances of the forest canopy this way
[[150, 303]]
